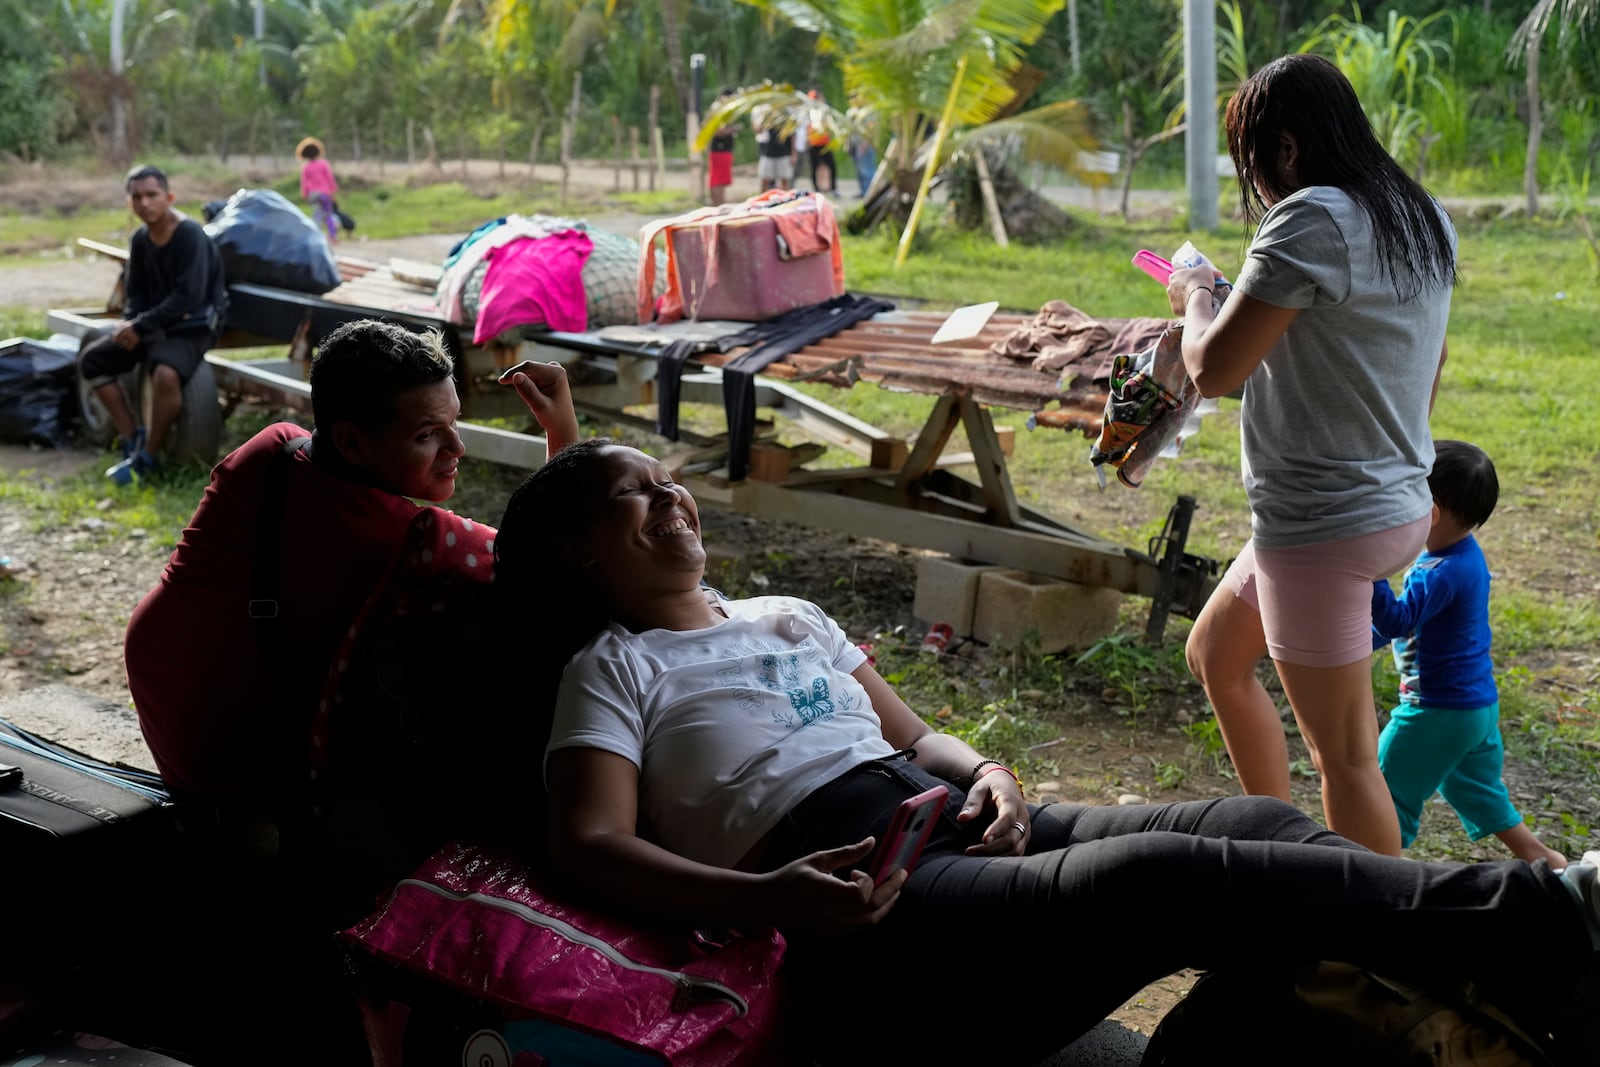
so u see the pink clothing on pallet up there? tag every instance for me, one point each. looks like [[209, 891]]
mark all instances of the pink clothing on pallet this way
[[535, 281], [454, 279], [317, 177]]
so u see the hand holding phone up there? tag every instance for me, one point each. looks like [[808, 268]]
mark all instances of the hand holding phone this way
[[908, 831]]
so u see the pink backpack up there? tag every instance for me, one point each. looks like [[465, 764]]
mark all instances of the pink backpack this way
[[471, 960]]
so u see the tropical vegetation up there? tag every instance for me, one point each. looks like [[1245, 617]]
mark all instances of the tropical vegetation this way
[[1482, 97]]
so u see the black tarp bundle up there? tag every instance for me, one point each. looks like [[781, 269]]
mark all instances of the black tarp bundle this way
[[38, 392], [265, 240]]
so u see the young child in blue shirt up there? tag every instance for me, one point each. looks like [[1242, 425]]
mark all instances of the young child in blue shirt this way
[[1445, 734]]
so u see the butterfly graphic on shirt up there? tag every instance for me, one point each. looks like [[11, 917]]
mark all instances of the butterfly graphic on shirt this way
[[814, 705], [782, 674]]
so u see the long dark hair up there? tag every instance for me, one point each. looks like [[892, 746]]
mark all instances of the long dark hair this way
[[1308, 98], [534, 563]]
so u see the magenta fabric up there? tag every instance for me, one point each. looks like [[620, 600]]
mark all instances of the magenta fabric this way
[[535, 281], [479, 922]]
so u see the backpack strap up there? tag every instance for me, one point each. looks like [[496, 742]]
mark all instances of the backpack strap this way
[[263, 605]]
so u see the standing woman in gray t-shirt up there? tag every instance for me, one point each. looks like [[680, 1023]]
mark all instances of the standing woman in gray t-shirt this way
[[1336, 329]]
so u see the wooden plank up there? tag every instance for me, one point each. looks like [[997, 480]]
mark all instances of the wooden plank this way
[[101, 248], [1089, 562], [415, 272]]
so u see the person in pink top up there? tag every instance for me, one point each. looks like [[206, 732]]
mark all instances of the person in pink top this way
[[319, 186]]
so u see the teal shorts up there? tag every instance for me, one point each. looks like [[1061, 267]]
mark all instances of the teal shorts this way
[[1455, 753]]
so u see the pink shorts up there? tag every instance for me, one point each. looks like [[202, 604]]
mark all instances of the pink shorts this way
[[1315, 601]]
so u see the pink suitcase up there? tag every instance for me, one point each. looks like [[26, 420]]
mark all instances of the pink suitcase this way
[[752, 282]]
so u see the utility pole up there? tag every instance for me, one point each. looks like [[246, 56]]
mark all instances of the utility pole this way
[[697, 182], [1200, 107], [1076, 50]]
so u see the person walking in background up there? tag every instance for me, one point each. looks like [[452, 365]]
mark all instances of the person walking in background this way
[[719, 172], [1445, 734], [865, 158], [318, 186], [818, 139], [775, 142], [1336, 330]]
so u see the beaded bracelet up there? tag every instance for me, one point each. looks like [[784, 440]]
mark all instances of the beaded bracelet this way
[[993, 765]]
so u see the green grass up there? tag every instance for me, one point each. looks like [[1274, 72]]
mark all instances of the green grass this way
[[381, 210], [24, 234], [21, 322], [86, 503]]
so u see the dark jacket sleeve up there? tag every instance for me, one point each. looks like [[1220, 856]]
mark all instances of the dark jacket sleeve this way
[[136, 296], [191, 288]]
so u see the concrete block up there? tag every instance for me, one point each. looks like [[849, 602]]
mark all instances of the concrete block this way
[[1064, 614], [769, 463], [947, 591]]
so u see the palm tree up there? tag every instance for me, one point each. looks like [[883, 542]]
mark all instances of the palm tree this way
[[1525, 44], [899, 59]]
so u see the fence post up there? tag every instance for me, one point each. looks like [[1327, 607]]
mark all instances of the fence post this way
[[566, 156], [616, 169], [633, 155], [696, 185], [569, 128], [655, 134]]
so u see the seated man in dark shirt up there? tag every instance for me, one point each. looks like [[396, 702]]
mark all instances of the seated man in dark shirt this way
[[173, 308]]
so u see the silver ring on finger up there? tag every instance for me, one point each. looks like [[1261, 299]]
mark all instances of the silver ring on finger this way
[[1022, 831]]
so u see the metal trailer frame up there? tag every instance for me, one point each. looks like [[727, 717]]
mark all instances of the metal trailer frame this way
[[906, 495]]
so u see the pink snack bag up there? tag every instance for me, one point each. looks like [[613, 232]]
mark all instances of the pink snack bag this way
[[1153, 265], [1161, 269]]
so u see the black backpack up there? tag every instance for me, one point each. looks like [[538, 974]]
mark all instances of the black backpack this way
[[1335, 1015]]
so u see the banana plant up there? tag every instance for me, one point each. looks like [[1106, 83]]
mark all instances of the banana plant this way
[[1391, 69]]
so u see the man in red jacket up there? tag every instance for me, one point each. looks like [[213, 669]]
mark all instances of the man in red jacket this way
[[230, 655]]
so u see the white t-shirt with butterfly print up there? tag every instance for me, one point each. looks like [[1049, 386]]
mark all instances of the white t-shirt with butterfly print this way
[[730, 726]]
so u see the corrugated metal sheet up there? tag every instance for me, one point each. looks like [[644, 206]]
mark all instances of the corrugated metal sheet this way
[[895, 350]]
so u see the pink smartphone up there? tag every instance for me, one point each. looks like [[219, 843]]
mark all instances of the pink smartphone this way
[[908, 831], [1153, 265]]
